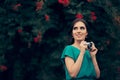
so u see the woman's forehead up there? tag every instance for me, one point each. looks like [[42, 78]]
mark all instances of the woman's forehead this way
[[79, 23]]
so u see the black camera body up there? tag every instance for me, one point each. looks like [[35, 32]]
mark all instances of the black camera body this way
[[89, 45]]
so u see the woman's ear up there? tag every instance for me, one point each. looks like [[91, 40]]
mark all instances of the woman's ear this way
[[86, 34], [72, 35]]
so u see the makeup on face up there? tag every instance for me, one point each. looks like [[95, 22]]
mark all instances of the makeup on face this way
[[79, 31]]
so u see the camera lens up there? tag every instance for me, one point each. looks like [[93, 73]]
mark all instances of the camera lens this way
[[89, 45]]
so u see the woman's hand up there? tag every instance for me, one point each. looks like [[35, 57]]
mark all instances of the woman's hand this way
[[83, 46], [93, 53], [94, 50]]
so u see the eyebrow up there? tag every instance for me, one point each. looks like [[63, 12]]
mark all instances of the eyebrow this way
[[78, 26]]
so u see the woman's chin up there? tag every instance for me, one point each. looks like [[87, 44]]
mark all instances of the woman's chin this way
[[79, 39]]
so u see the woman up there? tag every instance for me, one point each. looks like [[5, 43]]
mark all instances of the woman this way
[[80, 62]]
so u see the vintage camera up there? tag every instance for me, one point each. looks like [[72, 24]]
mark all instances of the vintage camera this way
[[89, 45]]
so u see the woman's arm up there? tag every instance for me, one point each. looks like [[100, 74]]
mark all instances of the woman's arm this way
[[97, 70], [93, 55], [74, 67]]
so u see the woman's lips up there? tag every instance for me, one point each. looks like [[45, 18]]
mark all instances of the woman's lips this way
[[79, 35]]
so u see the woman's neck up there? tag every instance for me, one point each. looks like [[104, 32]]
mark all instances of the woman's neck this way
[[76, 43]]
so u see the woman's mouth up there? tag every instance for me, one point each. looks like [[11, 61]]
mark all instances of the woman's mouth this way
[[79, 36]]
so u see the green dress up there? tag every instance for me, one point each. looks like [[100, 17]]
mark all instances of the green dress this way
[[87, 68]]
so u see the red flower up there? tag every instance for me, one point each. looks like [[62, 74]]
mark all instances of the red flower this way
[[92, 13], [119, 53], [118, 68], [79, 16], [19, 30], [93, 18], [39, 5], [15, 7], [3, 68], [108, 42], [64, 2], [47, 17], [38, 38], [89, 0]]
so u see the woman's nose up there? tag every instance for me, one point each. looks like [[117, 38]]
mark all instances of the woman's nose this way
[[78, 30]]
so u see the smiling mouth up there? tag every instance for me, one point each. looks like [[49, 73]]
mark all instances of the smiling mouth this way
[[79, 35]]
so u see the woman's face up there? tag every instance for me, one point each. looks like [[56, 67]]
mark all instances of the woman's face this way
[[79, 31]]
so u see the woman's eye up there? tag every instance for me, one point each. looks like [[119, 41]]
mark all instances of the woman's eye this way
[[74, 28], [82, 28]]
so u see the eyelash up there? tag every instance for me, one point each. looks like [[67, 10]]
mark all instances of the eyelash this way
[[80, 28], [74, 28]]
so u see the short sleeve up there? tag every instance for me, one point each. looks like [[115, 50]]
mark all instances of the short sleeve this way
[[67, 52]]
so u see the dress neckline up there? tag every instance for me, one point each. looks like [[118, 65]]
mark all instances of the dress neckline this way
[[75, 47]]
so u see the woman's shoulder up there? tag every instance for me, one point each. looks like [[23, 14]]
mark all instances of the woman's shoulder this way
[[68, 46]]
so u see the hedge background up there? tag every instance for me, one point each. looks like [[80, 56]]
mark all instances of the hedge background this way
[[33, 34]]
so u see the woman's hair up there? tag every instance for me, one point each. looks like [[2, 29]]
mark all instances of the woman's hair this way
[[77, 20], [71, 27]]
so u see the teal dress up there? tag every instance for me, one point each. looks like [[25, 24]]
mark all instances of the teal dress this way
[[87, 71]]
